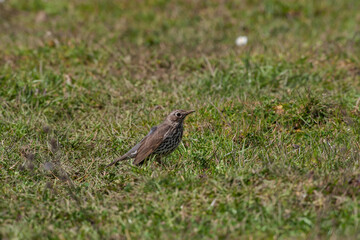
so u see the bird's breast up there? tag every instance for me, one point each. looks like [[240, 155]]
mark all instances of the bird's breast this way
[[171, 140]]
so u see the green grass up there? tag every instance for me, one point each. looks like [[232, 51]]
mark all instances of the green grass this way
[[272, 151]]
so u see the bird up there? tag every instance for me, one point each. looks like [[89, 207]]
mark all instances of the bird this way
[[162, 139]]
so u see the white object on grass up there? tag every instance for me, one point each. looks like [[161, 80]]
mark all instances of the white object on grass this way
[[241, 41]]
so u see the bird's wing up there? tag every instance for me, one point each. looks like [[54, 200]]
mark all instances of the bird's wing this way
[[133, 151], [150, 143]]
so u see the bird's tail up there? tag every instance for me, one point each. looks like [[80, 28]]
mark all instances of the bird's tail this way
[[122, 158]]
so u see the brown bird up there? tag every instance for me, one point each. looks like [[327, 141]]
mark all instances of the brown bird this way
[[161, 140]]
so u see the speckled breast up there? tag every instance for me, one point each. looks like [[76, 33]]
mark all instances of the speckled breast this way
[[170, 143]]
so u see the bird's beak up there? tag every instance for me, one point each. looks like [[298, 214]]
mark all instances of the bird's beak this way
[[188, 112]]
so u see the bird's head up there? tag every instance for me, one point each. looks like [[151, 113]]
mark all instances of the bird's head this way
[[178, 116]]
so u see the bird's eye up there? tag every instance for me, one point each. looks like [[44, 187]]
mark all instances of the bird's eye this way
[[178, 114]]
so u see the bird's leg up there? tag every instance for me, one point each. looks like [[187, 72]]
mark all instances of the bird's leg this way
[[158, 160]]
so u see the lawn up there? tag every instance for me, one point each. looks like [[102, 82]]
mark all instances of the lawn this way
[[272, 151]]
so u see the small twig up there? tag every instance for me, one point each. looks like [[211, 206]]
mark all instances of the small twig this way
[[14, 165], [211, 69], [229, 153], [53, 174]]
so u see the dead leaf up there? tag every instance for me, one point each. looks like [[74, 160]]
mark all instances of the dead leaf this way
[[279, 109]]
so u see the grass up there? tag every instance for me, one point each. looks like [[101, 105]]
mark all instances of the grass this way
[[271, 152]]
